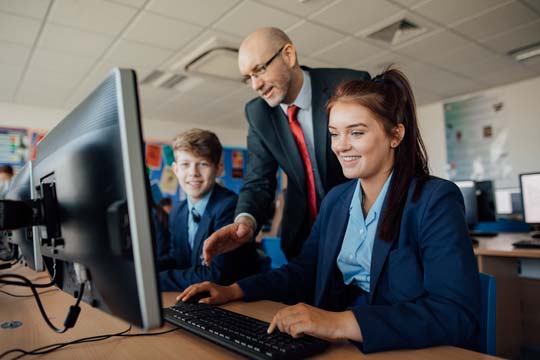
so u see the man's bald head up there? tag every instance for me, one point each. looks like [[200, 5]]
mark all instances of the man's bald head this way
[[271, 36], [272, 50]]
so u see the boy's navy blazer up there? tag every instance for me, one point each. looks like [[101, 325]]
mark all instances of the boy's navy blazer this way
[[186, 264], [424, 287]]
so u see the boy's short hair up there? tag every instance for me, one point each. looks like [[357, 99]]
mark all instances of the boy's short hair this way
[[7, 169], [199, 142]]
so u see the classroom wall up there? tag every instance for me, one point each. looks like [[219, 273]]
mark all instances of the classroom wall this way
[[41, 118], [522, 103]]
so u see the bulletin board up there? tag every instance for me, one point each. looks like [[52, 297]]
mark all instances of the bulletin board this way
[[18, 145]]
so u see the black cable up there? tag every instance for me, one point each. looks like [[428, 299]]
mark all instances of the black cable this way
[[53, 347], [26, 281], [73, 312], [30, 295]]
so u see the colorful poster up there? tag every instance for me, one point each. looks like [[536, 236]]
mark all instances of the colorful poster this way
[[13, 146], [169, 155], [169, 182], [237, 164], [153, 156]]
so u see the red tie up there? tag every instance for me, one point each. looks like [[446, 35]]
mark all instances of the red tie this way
[[296, 130]]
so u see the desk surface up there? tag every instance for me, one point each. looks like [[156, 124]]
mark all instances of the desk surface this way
[[501, 245], [179, 344]]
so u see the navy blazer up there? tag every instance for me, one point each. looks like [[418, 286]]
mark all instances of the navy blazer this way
[[271, 145], [184, 266], [424, 287]]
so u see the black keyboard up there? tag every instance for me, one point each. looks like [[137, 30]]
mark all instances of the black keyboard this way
[[241, 333], [528, 244]]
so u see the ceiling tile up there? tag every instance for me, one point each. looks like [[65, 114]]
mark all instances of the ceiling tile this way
[[347, 52], [502, 19], [17, 29], [60, 62], [535, 4], [488, 66], [250, 16], [300, 8], [30, 8], [214, 89], [202, 12], [314, 63], [36, 92], [461, 57], [309, 37], [10, 76], [509, 75], [126, 53], [350, 16], [74, 41], [376, 64], [160, 31], [53, 79], [519, 37], [98, 16], [448, 12], [408, 3], [132, 3], [13, 54], [433, 45]]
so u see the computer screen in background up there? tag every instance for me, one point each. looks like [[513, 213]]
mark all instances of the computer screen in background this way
[[530, 193], [508, 202], [21, 189], [92, 184], [468, 190], [485, 200]]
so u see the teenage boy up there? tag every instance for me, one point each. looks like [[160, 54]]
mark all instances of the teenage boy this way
[[207, 207]]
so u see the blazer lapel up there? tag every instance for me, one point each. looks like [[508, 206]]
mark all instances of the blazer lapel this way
[[183, 251], [380, 252], [288, 144], [320, 95], [339, 219]]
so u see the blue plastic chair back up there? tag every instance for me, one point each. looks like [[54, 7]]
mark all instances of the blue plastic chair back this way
[[272, 247], [488, 314]]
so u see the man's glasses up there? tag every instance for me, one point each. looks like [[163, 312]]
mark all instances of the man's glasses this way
[[261, 69]]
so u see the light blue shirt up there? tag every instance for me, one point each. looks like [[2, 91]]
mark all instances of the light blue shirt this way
[[200, 207], [354, 260]]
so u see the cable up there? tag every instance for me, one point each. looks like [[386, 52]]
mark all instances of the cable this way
[[30, 295], [73, 312], [53, 347], [26, 281]]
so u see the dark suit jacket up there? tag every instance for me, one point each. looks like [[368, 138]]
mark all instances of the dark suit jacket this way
[[271, 145], [424, 287], [185, 266]]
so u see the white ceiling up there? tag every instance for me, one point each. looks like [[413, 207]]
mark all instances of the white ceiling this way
[[54, 52]]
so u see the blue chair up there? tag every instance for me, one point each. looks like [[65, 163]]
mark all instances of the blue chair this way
[[488, 314], [272, 247]]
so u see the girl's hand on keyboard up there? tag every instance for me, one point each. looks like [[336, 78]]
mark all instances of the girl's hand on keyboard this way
[[303, 319]]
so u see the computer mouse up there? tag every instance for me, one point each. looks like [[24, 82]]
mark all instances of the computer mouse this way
[[195, 298]]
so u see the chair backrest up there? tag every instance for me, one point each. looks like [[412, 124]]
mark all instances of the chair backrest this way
[[272, 247], [488, 314]]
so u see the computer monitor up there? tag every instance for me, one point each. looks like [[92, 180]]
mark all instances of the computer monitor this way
[[508, 202], [95, 198], [485, 200], [468, 190], [530, 194], [21, 189]]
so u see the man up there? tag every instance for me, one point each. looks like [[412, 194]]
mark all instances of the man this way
[[293, 138], [207, 207]]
